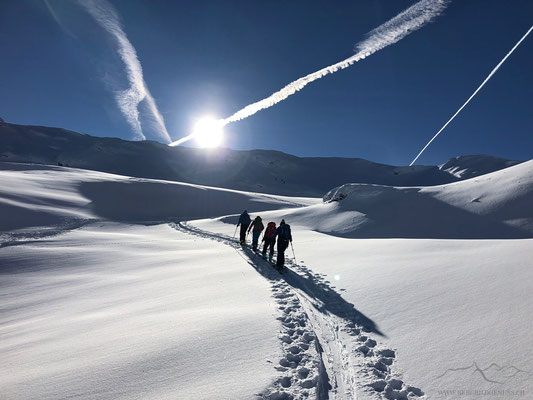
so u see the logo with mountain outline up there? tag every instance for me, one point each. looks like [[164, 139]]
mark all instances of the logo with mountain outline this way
[[494, 373]]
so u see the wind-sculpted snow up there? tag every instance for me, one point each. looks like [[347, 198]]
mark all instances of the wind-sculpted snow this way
[[496, 205], [54, 197]]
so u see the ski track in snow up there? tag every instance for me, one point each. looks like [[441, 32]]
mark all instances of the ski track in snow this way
[[25, 236], [330, 349]]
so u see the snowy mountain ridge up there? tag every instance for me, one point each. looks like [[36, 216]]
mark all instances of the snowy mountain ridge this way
[[264, 171], [466, 167]]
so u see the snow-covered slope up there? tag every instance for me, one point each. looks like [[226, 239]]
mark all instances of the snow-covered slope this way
[[453, 314], [136, 309], [256, 170], [418, 300], [496, 205], [465, 167], [33, 195], [114, 311]]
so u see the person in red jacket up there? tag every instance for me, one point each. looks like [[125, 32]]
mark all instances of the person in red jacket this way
[[269, 239], [284, 237]]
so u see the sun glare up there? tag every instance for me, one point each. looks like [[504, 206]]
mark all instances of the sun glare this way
[[208, 132]]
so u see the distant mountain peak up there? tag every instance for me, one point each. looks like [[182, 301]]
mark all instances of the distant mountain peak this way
[[469, 166]]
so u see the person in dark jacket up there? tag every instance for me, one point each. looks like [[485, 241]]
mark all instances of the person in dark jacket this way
[[257, 227], [283, 233], [244, 222], [269, 240]]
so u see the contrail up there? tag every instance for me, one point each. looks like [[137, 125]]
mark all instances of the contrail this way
[[392, 31], [473, 94], [54, 15], [128, 100]]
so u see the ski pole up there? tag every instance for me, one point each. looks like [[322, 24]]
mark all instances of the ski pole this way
[[234, 233], [294, 255]]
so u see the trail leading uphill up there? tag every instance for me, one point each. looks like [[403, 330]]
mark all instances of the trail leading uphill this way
[[331, 349]]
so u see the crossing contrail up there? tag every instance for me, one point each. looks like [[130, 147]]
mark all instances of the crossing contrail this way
[[392, 31], [473, 94], [128, 100]]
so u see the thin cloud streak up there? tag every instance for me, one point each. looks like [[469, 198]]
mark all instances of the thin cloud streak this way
[[496, 68], [392, 31], [128, 100], [54, 15]]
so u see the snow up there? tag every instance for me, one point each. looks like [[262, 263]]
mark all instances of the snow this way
[[396, 292], [496, 205], [465, 167], [35, 196], [441, 303], [120, 311], [114, 310]]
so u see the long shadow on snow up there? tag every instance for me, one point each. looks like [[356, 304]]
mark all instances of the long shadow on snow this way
[[325, 298]]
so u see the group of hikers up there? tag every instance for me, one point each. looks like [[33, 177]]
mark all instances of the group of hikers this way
[[282, 233]]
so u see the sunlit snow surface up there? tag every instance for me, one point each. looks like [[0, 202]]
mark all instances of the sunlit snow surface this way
[[118, 311], [440, 303], [135, 309], [443, 303]]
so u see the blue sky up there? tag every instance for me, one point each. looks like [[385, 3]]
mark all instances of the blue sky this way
[[215, 57]]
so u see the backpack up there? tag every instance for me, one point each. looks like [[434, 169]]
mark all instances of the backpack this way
[[258, 225], [245, 219], [271, 228], [285, 232]]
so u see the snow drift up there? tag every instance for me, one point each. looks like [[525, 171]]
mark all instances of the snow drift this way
[[496, 205], [35, 195]]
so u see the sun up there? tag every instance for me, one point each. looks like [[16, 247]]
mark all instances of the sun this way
[[208, 132]]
